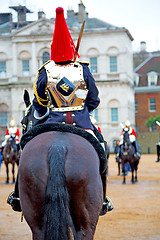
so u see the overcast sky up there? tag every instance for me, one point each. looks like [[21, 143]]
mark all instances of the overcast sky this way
[[140, 17]]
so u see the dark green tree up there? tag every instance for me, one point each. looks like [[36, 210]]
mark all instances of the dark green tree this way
[[151, 122]]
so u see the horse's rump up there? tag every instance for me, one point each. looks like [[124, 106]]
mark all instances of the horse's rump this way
[[60, 186]]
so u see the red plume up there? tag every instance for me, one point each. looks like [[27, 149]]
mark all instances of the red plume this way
[[62, 48]]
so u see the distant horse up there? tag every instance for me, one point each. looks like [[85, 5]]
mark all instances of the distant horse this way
[[60, 186], [10, 155], [128, 154]]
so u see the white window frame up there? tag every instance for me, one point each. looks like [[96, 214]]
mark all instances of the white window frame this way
[[3, 69], [45, 58], [136, 104], [114, 115], [152, 79], [152, 105], [93, 65], [3, 119], [113, 64], [25, 68], [136, 80], [95, 114]]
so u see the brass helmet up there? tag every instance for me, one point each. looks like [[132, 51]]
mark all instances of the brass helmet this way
[[12, 123], [127, 124]]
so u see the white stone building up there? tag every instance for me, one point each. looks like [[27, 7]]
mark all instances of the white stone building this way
[[25, 46]]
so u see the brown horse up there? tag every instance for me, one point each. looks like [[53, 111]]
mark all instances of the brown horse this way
[[10, 155], [60, 185], [128, 154]]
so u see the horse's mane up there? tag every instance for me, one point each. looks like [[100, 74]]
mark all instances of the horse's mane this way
[[47, 127]]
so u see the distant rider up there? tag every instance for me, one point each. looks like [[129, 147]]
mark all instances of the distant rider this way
[[132, 138], [13, 131]]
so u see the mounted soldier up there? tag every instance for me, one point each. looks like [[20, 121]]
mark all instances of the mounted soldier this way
[[65, 90], [132, 138], [13, 131]]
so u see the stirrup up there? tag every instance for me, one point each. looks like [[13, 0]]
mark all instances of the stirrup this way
[[138, 154], [107, 206], [14, 202], [117, 157]]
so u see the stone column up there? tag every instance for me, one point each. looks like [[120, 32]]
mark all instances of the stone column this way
[[34, 62], [14, 63]]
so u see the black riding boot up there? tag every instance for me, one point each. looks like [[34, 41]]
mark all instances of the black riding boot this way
[[135, 144], [13, 198], [118, 153], [158, 152], [107, 203]]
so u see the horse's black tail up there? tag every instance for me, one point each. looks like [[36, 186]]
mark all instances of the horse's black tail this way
[[57, 218]]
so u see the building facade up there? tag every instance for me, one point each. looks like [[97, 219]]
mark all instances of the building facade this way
[[25, 46], [147, 99]]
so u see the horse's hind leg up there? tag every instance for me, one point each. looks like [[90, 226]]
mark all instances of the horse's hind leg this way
[[119, 168], [136, 180], [136, 168], [7, 172], [13, 165], [124, 174], [132, 178]]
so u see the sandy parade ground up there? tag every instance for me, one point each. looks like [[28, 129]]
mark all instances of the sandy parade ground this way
[[137, 206]]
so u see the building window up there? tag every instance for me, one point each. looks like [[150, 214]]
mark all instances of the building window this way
[[114, 143], [136, 105], [95, 113], [114, 114], [152, 79], [136, 80], [93, 64], [3, 118], [152, 104], [113, 64], [3, 69], [25, 67], [45, 57], [153, 128], [136, 129]]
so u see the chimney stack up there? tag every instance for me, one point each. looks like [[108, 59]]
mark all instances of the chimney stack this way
[[41, 14], [82, 12], [143, 46]]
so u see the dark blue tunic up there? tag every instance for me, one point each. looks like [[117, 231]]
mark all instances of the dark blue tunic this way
[[78, 118]]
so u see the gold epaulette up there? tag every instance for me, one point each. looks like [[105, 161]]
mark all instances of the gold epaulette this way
[[87, 63], [40, 100]]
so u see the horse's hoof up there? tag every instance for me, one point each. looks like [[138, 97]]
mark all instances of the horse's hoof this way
[[123, 182], [7, 182]]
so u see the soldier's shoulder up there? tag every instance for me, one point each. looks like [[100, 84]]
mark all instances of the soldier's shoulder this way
[[44, 65], [83, 62]]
